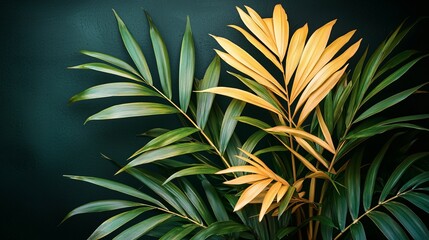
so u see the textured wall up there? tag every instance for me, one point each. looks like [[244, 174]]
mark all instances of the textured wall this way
[[43, 137]]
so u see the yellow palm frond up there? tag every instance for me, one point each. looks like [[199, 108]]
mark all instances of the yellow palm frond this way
[[296, 46], [281, 30]]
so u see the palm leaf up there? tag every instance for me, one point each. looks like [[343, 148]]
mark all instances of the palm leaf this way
[[116, 222], [229, 123], [166, 152], [134, 50], [118, 89], [179, 233], [112, 60], [193, 170], [106, 68], [166, 138], [186, 67], [136, 109], [387, 225], [214, 200], [102, 206], [161, 56], [205, 100], [140, 229], [118, 187], [219, 229]]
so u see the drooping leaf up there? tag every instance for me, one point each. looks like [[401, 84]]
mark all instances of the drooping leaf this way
[[179, 233], [118, 187], [392, 78], [411, 222], [118, 89], [140, 229], [106, 68], [116, 222], [229, 123], [357, 231], [253, 122], [136, 109], [420, 200], [219, 229], [134, 50], [166, 152], [193, 170], [186, 67], [165, 139], [112, 60], [352, 183], [215, 201], [389, 227], [197, 201], [398, 172], [415, 181], [371, 176], [161, 56], [386, 103], [101, 206], [205, 100]]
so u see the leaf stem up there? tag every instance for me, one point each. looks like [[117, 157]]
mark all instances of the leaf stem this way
[[369, 211]]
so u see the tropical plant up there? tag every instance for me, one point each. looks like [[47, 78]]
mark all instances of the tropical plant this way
[[305, 168]]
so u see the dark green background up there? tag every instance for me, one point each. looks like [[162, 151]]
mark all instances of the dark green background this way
[[43, 137]]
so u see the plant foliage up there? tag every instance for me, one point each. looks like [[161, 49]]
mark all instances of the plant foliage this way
[[307, 170]]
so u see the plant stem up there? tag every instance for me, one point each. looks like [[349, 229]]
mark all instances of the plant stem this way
[[369, 211], [209, 141]]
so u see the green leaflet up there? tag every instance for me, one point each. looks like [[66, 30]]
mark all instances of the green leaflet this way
[[215, 201], [166, 152], [179, 233], [134, 50], [141, 228], [101, 206], [219, 229], [118, 187], [161, 56], [166, 138], [352, 183], [386, 103], [119, 89], [193, 170], [205, 100], [411, 222], [186, 67], [229, 123], [387, 225], [105, 68], [112, 60], [116, 222], [357, 231], [399, 171], [136, 109]]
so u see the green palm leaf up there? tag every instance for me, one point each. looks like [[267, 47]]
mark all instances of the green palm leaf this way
[[386, 103], [193, 170], [112, 60], [166, 152], [229, 123], [186, 67], [387, 225], [165, 138], [352, 183], [219, 229], [161, 56], [138, 230], [205, 100], [106, 68], [136, 109], [411, 222], [215, 201], [179, 233], [101, 206], [116, 222], [134, 50], [357, 231], [118, 187], [119, 89]]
